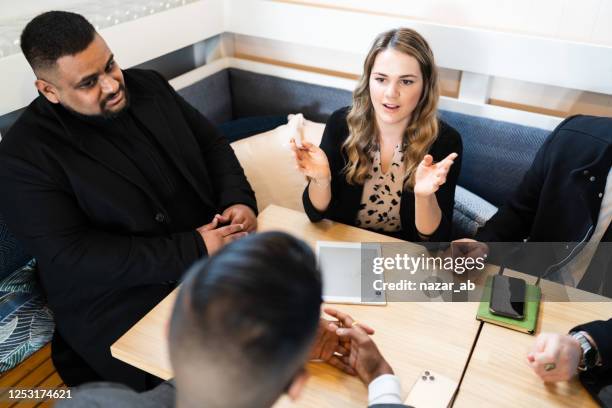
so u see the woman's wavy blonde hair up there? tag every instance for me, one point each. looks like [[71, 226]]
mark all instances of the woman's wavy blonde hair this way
[[422, 129]]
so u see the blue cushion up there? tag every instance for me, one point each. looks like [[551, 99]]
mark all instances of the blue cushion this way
[[471, 212], [26, 323], [12, 254], [245, 127], [496, 154]]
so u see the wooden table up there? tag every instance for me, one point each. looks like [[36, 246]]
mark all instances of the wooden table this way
[[412, 336], [498, 367], [498, 370]]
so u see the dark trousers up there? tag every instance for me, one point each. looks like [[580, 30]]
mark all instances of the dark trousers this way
[[75, 371]]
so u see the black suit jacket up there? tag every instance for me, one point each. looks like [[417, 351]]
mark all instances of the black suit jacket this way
[[346, 198], [118, 396], [106, 246], [559, 199]]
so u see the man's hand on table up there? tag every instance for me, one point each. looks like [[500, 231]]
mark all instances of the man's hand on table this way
[[330, 348], [216, 237], [555, 357], [241, 214], [363, 356]]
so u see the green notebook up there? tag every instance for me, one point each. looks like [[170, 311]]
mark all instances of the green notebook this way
[[527, 325]]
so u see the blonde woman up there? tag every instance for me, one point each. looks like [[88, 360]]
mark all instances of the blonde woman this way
[[387, 163]]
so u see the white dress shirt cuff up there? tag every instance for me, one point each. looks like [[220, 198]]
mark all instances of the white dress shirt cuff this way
[[385, 389]]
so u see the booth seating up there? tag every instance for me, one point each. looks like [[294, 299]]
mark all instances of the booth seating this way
[[26, 323], [251, 109], [496, 154]]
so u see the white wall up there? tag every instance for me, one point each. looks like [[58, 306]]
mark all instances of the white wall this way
[[587, 21], [578, 20], [11, 10], [346, 63]]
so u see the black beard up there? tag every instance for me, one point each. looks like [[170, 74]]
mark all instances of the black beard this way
[[112, 115], [105, 115]]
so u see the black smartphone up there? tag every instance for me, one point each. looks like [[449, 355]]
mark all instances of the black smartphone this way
[[508, 297]]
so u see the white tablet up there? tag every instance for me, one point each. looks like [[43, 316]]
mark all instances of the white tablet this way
[[346, 268]]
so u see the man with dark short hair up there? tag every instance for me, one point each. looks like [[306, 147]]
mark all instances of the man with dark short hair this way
[[116, 185], [244, 324]]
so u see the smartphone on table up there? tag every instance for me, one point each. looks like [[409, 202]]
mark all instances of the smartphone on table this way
[[508, 297]]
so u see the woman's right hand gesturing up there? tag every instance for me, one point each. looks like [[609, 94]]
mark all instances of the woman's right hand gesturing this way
[[311, 161]]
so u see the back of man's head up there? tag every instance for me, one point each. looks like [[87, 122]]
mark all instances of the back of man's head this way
[[53, 35], [244, 322]]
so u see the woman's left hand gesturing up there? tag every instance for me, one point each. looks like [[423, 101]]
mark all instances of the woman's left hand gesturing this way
[[430, 176]]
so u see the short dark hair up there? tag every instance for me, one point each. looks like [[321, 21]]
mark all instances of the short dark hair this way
[[54, 34], [258, 300]]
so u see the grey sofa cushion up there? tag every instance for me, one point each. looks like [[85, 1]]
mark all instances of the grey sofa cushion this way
[[260, 95], [211, 96], [471, 212], [496, 154], [233, 94]]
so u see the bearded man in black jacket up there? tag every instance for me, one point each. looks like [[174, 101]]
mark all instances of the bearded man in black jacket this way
[[116, 185]]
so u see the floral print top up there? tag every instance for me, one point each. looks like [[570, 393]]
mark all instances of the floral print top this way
[[382, 193]]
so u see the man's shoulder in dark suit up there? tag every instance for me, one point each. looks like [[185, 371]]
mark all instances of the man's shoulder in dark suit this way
[[119, 396]]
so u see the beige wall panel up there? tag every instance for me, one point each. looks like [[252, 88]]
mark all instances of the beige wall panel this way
[[321, 60], [548, 99], [300, 55]]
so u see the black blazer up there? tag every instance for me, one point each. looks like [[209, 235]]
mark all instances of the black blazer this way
[[106, 246], [558, 199], [346, 198], [100, 394]]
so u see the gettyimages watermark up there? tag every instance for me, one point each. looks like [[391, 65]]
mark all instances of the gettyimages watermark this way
[[459, 271]]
